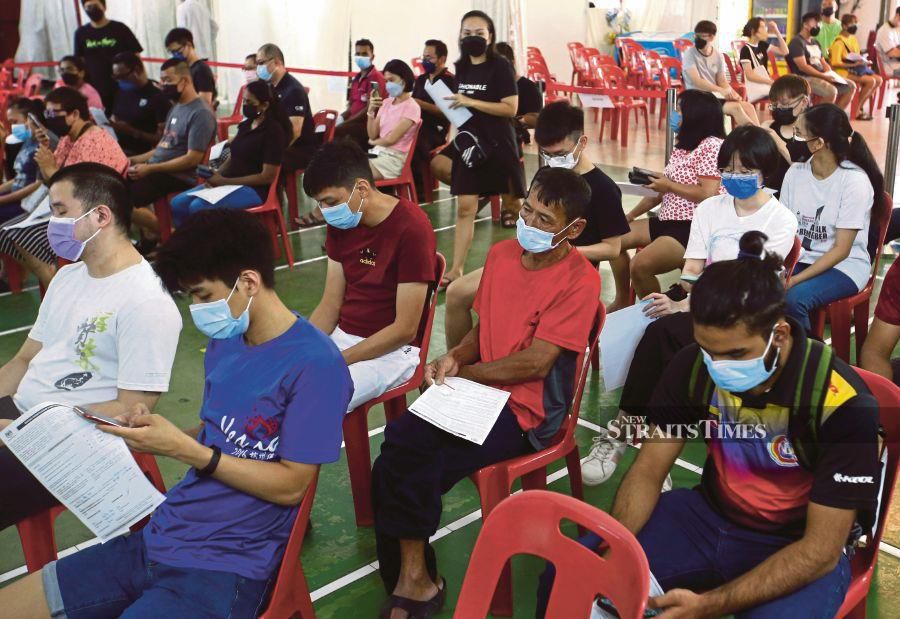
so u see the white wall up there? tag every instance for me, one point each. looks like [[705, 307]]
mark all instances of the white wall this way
[[549, 25]]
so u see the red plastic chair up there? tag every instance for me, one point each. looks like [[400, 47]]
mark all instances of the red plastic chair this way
[[417, 65], [615, 78], [356, 422], [774, 72], [32, 88], [290, 596], [494, 482], [528, 523], [574, 47], [862, 565], [324, 122], [857, 305], [682, 45], [225, 123], [270, 211], [405, 181], [36, 532], [792, 258], [735, 76]]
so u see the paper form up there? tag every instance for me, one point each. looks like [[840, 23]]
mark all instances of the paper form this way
[[214, 195], [216, 150], [633, 189], [620, 336], [461, 407], [438, 92]]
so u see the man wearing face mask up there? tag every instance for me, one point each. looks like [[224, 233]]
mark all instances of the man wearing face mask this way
[[829, 26], [562, 142], [765, 532], [273, 400], [106, 332], [381, 261], [887, 44], [352, 121], [98, 42], [171, 166], [180, 45], [435, 127], [806, 59], [140, 108], [72, 73], [536, 304]]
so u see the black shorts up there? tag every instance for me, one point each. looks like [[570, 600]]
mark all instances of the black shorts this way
[[678, 229], [500, 173]]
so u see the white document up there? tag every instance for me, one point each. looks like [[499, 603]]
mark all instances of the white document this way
[[461, 407], [92, 473], [439, 92], [837, 78], [620, 336], [597, 612], [214, 195], [854, 57], [599, 101], [216, 151], [633, 189], [40, 213]]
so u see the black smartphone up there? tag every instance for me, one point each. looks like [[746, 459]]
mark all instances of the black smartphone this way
[[204, 171]]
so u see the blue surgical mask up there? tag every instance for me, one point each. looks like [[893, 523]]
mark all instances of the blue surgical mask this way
[[363, 62], [21, 132], [394, 89], [741, 186], [534, 240], [342, 216], [738, 376], [675, 120], [126, 85], [214, 319], [262, 71]]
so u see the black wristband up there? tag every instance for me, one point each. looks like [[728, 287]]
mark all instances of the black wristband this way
[[210, 468]]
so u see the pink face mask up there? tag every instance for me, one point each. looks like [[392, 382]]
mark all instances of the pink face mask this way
[[250, 75]]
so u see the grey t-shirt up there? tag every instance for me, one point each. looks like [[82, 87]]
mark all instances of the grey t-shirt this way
[[709, 67], [189, 126]]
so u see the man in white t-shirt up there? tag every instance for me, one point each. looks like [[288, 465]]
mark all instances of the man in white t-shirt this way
[[106, 332], [887, 42], [704, 69]]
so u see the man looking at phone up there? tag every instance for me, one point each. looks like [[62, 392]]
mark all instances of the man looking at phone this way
[[367, 83], [106, 332]]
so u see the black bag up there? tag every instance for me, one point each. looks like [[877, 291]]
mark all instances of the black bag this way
[[471, 150]]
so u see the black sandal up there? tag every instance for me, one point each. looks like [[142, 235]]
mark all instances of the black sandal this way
[[416, 609], [508, 219]]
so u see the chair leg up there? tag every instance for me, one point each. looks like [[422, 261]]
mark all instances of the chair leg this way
[[623, 128], [817, 323], [535, 480], [290, 190], [359, 461], [491, 493], [573, 465], [861, 326], [647, 125], [394, 408], [301, 594], [163, 211], [495, 208], [38, 539], [839, 315], [14, 273], [285, 239]]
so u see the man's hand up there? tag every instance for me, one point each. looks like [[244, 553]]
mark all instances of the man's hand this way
[[437, 370], [152, 434], [681, 603], [139, 171], [135, 411], [44, 157]]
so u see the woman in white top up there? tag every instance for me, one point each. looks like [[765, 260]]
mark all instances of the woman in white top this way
[[832, 195]]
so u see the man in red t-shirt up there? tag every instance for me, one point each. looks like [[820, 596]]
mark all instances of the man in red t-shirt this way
[[352, 122], [381, 260], [536, 304], [885, 330]]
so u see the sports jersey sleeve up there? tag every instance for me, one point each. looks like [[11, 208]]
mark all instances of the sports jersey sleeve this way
[[202, 130]]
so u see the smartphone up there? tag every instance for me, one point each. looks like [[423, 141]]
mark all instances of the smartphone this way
[[204, 171], [376, 92], [90, 415], [33, 118]]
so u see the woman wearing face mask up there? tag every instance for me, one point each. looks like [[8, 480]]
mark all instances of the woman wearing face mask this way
[[846, 60], [487, 88], [25, 181], [754, 56], [691, 176], [788, 98], [256, 154], [392, 123], [72, 73], [832, 195]]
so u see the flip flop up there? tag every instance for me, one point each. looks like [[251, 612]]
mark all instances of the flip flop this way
[[309, 220], [508, 219], [416, 609], [863, 116]]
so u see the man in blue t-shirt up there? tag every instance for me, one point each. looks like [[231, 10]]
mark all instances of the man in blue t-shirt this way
[[274, 397]]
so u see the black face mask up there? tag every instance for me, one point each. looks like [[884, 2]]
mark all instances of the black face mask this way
[[170, 91], [472, 45], [69, 79], [249, 112], [783, 115], [57, 125], [94, 12], [828, 12], [814, 32], [699, 43], [852, 29]]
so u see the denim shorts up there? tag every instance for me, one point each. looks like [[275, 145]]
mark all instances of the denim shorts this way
[[117, 580]]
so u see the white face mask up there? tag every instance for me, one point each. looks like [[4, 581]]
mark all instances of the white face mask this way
[[567, 161]]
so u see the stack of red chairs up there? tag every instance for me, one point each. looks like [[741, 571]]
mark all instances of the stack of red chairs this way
[[682, 45], [574, 48], [629, 51]]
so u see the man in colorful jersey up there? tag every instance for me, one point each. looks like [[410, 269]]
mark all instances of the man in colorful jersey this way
[[764, 534]]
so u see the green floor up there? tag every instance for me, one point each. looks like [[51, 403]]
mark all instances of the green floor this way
[[337, 548]]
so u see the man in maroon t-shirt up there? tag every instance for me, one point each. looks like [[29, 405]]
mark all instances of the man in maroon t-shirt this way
[[885, 330], [381, 259], [352, 123], [536, 304]]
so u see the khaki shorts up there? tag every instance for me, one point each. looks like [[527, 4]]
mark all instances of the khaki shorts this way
[[389, 162]]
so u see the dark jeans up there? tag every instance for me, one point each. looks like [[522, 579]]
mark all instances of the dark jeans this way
[[418, 464], [691, 546], [25, 495], [146, 191]]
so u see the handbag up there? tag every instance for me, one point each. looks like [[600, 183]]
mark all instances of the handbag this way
[[756, 90], [471, 152]]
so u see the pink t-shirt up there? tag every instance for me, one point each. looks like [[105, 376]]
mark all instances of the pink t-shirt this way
[[96, 145], [391, 113], [90, 93], [688, 167]]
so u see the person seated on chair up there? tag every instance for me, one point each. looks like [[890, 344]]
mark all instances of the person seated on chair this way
[[249, 70], [829, 27], [72, 73], [256, 154], [435, 127], [530, 99], [25, 180], [381, 263], [106, 331], [832, 195], [140, 109], [884, 332], [749, 161], [172, 166], [562, 142], [180, 45], [781, 493], [691, 176], [754, 56], [274, 396], [806, 59], [536, 304], [80, 141], [887, 44], [352, 122], [788, 98], [704, 69], [392, 122], [857, 71]]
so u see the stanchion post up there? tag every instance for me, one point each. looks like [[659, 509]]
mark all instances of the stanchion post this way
[[893, 146], [671, 99]]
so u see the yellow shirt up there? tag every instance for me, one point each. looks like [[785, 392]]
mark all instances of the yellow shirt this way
[[842, 46]]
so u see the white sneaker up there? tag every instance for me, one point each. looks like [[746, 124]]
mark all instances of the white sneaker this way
[[602, 461], [667, 484]]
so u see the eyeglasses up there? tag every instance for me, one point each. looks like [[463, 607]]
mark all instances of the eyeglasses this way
[[262, 62]]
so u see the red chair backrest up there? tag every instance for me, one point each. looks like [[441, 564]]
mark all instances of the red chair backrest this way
[[33, 85], [417, 65], [573, 47], [423, 335], [737, 45], [773, 65], [601, 60], [734, 72], [614, 77], [528, 523], [790, 261], [325, 122]]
